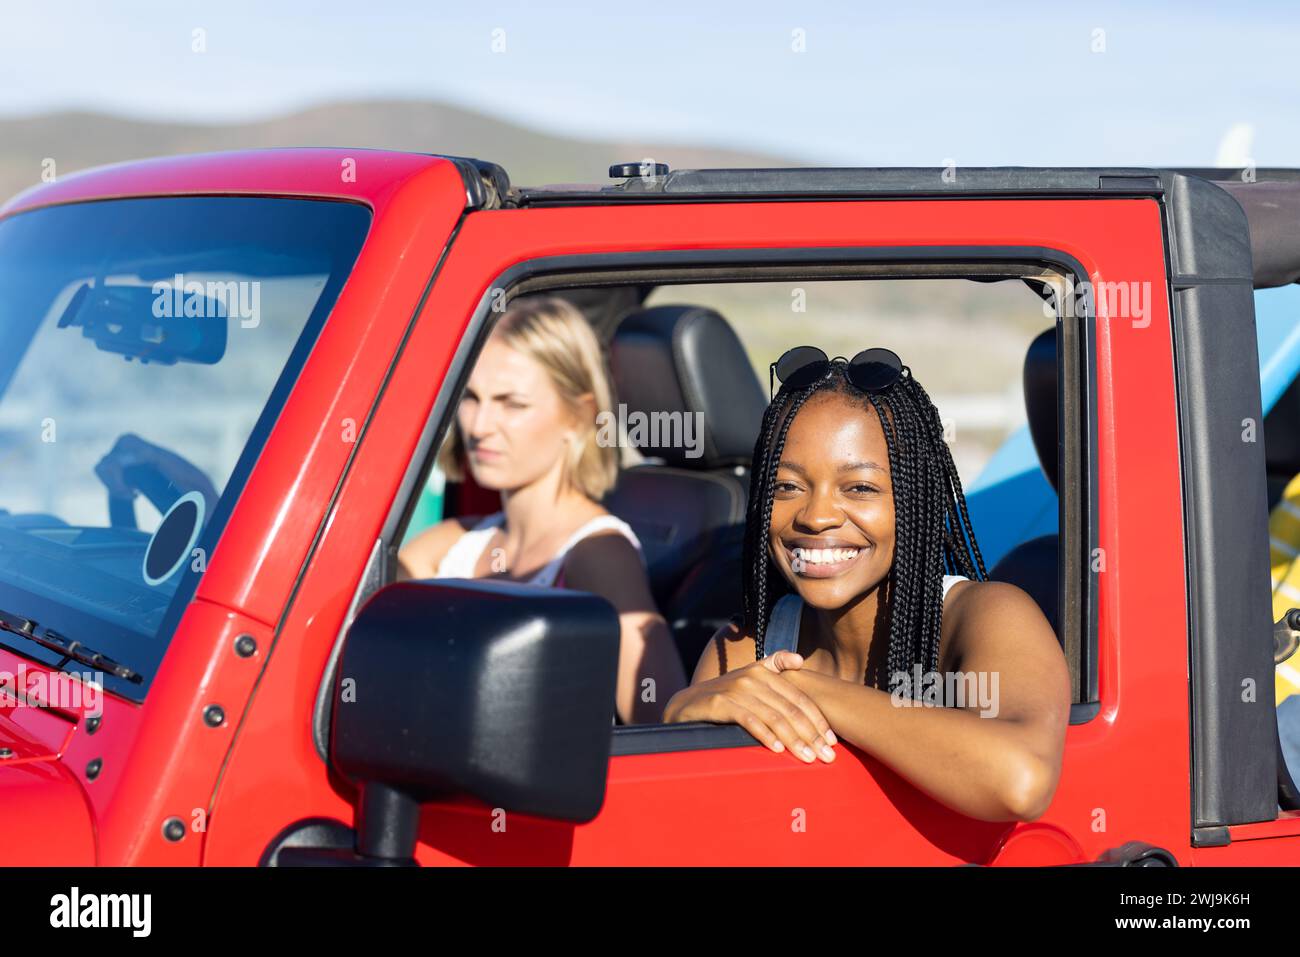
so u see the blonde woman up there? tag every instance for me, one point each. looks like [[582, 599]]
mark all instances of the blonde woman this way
[[527, 425]]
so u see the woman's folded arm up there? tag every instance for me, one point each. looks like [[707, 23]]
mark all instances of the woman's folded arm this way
[[997, 757]]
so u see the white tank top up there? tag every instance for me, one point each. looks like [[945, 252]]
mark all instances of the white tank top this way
[[463, 556]]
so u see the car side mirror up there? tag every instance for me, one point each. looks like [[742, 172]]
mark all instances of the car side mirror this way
[[497, 690]]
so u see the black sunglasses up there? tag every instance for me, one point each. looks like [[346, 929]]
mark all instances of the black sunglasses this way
[[871, 370]]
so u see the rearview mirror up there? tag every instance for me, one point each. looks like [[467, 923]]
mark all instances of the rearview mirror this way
[[497, 690], [127, 320]]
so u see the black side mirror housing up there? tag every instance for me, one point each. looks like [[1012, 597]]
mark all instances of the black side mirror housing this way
[[497, 690]]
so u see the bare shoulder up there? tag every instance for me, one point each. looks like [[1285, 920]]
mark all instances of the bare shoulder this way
[[420, 557], [997, 616], [606, 552], [980, 599], [731, 647], [607, 564]]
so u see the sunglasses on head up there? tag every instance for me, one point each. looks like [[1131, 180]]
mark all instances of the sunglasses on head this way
[[871, 370]]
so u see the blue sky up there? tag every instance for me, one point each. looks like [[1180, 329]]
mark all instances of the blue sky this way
[[876, 84]]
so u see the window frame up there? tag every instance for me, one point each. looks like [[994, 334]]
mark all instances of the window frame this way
[[1076, 366]]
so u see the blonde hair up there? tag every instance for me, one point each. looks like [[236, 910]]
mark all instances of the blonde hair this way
[[554, 333]]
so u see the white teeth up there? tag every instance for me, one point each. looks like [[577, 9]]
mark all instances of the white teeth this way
[[824, 556]]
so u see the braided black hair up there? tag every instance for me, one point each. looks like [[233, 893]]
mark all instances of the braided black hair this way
[[933, 534]]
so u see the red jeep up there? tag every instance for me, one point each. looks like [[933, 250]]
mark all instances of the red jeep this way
[[303, 321]]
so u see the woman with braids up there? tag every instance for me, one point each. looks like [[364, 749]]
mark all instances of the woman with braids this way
[[862, 575]]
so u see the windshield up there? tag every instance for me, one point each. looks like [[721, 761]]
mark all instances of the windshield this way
[[146, 347]]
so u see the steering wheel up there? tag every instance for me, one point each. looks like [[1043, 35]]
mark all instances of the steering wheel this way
[[152, 483]]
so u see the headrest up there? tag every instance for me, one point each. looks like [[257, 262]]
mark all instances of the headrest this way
[[671, 362], [1040, 401]]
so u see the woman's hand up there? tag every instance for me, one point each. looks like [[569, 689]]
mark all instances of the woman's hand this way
[[763, 702], [994, 755]]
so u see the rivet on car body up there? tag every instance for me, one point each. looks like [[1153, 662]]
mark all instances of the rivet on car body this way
[[245, 646], [173, 829], [214, 716], [92, 725], [93, 768]]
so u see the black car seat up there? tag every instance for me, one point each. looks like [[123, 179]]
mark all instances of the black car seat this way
[[688, 509], [1032, 565]]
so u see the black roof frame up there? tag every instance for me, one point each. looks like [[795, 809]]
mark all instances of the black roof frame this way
[[1270, 196]]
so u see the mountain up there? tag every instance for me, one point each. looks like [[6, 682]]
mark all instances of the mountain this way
[[77, 140], [992, 322]]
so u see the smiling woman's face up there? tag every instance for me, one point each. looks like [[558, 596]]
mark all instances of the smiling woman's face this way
[[832, 531]]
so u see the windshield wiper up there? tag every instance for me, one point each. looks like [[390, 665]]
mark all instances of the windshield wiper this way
[[74, 650]]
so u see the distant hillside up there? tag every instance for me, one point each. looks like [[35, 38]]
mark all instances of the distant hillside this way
[[987, 326], [80, 140]]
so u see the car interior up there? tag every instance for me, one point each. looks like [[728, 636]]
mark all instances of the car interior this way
[[1032, 565], [1282, 442], [689, 513]]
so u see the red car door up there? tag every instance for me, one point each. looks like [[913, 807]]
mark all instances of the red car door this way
[[704, 795]]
